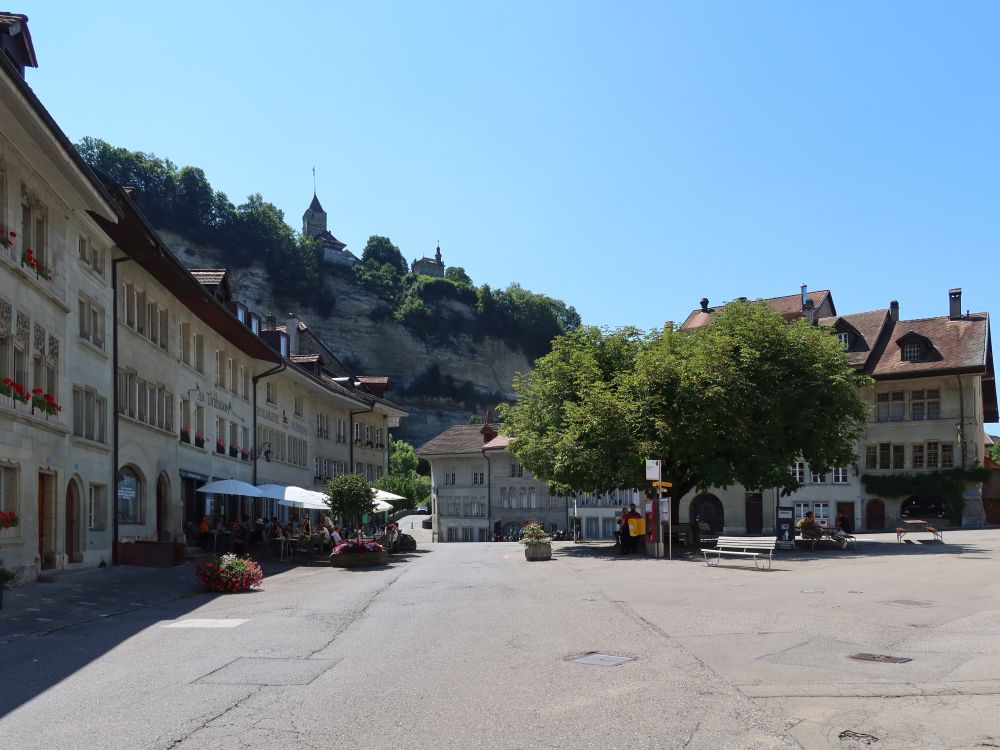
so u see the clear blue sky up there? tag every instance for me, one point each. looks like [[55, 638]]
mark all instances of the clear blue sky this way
[[628, 158]]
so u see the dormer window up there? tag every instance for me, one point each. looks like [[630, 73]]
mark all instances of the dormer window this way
[[844, 339], [912, 351], [283, 339]]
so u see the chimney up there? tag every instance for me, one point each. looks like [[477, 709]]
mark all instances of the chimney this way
[[292, 329], [704, 304], [805, 296], [955, 304], [488, 431], [270, 322], [809, 311], [894, 311]]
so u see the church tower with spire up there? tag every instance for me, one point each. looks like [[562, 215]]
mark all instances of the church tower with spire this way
[[314, 219]]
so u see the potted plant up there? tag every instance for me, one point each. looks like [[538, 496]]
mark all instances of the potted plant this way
[[220, 447], [234, 451], [244, 454], [185, 434], [7, 580], [537, 544], [358, 554], [41, 270], [15, 390], [44, 402], [229, 574], [199, 440]]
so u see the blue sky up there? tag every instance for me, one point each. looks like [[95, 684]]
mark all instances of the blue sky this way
[[628, 158]]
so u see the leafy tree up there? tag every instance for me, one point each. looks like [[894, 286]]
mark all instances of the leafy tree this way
[[349, 497], [734, 402], [403, 477], [458, 275], [995, 452], [380, 251]]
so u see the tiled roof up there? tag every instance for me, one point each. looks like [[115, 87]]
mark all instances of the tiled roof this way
[[868, 325], [458, 440], [433, 261], [499, 443], [790, 306], [955, 345], [209, 276]]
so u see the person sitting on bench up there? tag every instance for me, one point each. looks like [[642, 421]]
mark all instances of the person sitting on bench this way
[[840, 534], [809, 527]]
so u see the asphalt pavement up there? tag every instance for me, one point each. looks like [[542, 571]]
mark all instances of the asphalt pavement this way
[[462, 644]]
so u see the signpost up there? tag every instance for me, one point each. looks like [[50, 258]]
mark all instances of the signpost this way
[[654, 473]]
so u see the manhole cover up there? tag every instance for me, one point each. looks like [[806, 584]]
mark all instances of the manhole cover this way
[[881, 658], [596, 659]]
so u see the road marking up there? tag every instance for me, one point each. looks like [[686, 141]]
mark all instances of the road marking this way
[[206, 623]]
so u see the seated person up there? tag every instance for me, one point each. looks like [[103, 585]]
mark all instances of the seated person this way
[[809, 528], [840, 532]]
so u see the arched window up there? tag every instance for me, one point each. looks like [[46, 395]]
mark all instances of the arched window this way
[[131, 499]]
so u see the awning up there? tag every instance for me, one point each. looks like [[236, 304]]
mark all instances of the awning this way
[[230, 487], [296, 497]]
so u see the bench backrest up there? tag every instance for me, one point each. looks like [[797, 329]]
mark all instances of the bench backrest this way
[[746, 542]]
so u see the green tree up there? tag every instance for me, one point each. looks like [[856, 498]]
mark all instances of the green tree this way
[[380, 251], [458, 275], [995, 452], [734, 402], [403, 477], [349, 497]]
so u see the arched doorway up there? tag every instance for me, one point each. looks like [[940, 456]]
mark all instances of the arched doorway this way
[[924, 507], [162, 510], [74, 524], [707, 508], [875, 516]]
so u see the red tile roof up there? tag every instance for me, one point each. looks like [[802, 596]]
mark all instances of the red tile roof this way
[[790, 306], [499, 443], [867, 327], [959, 344], [462, 439]]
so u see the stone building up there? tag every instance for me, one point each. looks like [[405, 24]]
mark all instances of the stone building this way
[[934, 391], [331, 249], [480, 490], [55, 297], [429, 266]]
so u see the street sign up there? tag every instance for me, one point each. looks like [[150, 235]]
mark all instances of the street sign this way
[[653, 470], [662, 485]]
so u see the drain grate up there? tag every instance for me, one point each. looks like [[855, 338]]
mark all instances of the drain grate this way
[[881, 658], [597, 659]]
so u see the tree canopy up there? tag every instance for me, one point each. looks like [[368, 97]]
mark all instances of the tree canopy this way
[[403, 477], [734, 402], [349, 497]]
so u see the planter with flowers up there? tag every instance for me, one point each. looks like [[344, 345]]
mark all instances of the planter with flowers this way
[[8, 525], [15, 390], [537, 544], [244, 454], [7, 580], [234, 451], [44, 402], [185, 434], [358, 555], [229, 574], [220, 447], [41, 270], [7, 238], [199, 440]]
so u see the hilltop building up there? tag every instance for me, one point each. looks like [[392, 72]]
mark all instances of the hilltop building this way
[[429, 266], [332, 250]]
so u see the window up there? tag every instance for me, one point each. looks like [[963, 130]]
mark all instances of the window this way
[[90, 255], [925, 404], [933, 454], [898, 455], [818, 478], [822, 513], [220, 435], [912, 351], [130, 497], [8, 490], [368, 434], [185, 338], [245, 443], [884, 456], [234, 437], [199, 353], [478, 477], [199, 425], [322, 426], [378, 438], [298, 406], [230, 374], [91, 322], [241, 381], [890, 406], [97, 508], [89, 414], [799, 471], [840, 475], [466, 535], [357, 432], [271, 392], [917, 456], [871, 457], [516, 470], [844, 339], [947, 455], [219, 360], [297, 451], [34, 226], [449, 476]]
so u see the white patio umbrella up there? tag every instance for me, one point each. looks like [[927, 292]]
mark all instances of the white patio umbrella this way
[[381, 506], [297, 497], [304, 503], [385, 496], [231, 487]]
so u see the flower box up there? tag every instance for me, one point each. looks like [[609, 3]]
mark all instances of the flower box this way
[[358, 555], [245, 455], [15, 390], [538, 551], [43, 402], [185, 435], [234, 452], [220, 448], [41, 270], [199, 440], [10, 532], [229, 574]]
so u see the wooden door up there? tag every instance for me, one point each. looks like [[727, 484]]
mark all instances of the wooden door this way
[[848, 510], [875, 517], [71, 521]]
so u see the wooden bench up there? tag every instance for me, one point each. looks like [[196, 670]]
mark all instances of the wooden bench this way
[[758, 548], [937, 534], [826, 534]]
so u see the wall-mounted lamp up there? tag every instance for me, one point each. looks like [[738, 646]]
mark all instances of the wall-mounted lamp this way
[[264, 450]]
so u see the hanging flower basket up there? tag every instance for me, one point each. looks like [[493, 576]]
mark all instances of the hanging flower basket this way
[[229, 574]]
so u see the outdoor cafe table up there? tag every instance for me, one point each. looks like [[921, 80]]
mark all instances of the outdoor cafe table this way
[[911, 524]]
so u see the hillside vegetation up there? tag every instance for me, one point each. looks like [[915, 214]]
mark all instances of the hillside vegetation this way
[[181, 199]]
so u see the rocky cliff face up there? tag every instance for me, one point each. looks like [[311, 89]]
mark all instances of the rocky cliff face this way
[[375, 344]]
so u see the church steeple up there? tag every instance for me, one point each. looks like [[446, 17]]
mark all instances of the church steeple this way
[[437, 254], [314, 219]]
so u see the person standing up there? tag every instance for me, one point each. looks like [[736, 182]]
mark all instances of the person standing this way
[[623, 536]]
